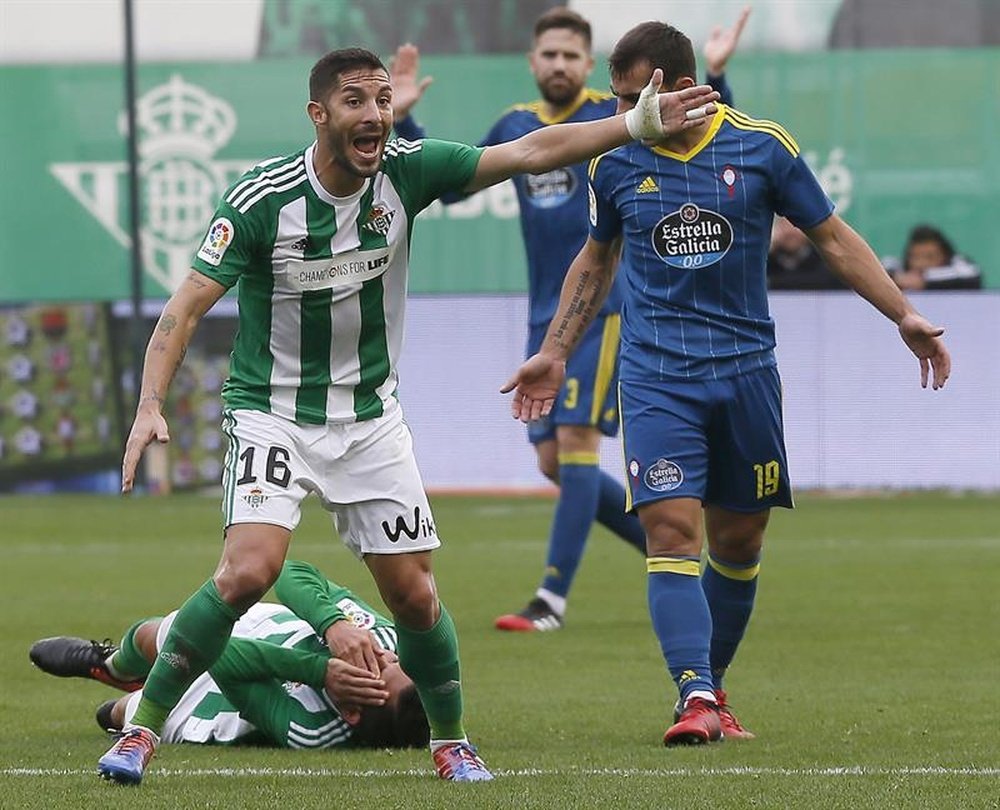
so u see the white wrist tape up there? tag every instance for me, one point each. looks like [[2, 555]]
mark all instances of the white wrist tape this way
[[643, 120]]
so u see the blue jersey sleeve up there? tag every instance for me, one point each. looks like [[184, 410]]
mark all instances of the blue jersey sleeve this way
[[798, 196], [720, 84], [605, 221], [409, 129]]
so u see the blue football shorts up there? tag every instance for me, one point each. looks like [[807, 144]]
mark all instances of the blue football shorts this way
[[721, 441], [589, 396]]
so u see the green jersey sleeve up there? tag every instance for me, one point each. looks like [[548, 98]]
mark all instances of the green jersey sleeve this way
[[426, 169], [245, 659], [229, 247], [318, 601]]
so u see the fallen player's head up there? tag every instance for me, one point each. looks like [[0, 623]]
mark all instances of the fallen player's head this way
[[401, 723]]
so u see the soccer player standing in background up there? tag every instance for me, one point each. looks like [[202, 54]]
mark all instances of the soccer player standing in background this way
[[318, 242], [553, 212], [699, 391]]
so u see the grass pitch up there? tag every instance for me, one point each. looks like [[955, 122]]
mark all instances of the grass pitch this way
[[870, 671]]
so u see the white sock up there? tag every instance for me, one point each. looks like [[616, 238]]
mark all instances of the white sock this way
[[703, 694], [436, 744], [554, 601]]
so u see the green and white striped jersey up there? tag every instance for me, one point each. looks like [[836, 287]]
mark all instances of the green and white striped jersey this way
[[322, 279], [204, 715]]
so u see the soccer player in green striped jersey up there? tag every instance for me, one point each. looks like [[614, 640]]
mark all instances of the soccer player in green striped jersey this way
[[318, 243], [275, 684]]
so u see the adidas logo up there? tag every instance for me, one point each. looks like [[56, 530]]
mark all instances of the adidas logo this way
[[300, 244], [647, 186]]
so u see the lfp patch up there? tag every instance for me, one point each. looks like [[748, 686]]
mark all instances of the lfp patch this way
[[217, 241], [357, 615]]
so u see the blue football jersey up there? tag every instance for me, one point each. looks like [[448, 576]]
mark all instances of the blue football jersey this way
[[553, 205], [696, 229]]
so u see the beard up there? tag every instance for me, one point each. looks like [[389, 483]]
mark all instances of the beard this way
[[340, 147], [560, 95]]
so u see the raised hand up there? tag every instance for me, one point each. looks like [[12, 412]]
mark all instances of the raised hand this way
[[722, 42], [924, 340], [657, 115], [537, 382], [407, 87]]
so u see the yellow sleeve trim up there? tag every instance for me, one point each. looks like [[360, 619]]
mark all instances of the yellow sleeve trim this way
[[741, 574], [673, 565], [592, 168], [582, 459], [605, 365], [745, 122]]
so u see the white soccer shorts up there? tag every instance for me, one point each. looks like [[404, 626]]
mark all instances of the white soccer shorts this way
[[364, 473]]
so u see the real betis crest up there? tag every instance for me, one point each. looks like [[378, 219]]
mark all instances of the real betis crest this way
[[181, 127], [379, 219]]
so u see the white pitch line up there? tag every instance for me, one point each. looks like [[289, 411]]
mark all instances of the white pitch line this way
[[855, 770]]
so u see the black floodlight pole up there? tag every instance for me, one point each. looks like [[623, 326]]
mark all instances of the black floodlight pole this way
[[136, 337]]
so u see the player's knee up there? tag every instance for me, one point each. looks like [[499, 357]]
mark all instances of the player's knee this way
[[413, 604], [549, 467], [241, 583], [738, 538], [669, 534]]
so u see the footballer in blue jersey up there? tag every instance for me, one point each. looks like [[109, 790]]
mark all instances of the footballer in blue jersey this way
[[699, 391], [553, 215]]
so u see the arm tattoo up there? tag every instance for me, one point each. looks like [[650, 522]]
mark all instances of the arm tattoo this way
[[196, 280], [581, 311], [167, 323]]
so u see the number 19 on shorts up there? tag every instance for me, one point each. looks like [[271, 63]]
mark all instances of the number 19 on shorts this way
[[768, 478]]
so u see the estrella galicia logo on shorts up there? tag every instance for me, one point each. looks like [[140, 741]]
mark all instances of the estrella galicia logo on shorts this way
[[550, 189], [663, 476], [692, 237], [422, 526]]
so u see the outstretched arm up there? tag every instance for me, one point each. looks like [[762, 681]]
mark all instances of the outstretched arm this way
[[655, 116], [164, 354], [722, 44], [588, 281], [850, 257]]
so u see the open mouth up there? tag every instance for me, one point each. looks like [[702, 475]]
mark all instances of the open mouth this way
[[367, 145]]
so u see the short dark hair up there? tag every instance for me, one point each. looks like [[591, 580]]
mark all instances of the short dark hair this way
[[562, 17], [928, 233], [326, 72], [401, 726], [662, 45]]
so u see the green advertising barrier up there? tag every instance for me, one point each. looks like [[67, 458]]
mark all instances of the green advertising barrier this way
[[896, 137]]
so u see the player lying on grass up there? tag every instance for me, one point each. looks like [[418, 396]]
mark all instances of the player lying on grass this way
[[276, 682]]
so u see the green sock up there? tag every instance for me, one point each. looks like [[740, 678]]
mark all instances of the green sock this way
[[430, 657], [196, 639], [128, 662]]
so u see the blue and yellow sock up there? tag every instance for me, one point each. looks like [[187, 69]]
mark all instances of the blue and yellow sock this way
[[681, 621], [579, 484], [612, 515], [730, 590]]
